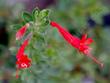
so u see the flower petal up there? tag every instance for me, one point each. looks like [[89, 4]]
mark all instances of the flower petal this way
[[88, 41], [23, 62], [83, 39]]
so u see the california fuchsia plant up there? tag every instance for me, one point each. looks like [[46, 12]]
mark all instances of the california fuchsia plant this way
[[33, 33]]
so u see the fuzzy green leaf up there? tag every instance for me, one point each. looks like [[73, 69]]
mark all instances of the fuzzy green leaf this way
[[44, 22], [44, 13], [35, 13], [27, 17]]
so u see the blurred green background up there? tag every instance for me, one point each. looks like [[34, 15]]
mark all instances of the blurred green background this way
[[59, 62]]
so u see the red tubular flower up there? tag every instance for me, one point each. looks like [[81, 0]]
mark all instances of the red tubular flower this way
[[20, 33], [22, 48], [81, 44]]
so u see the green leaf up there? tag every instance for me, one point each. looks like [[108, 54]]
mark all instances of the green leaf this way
[[44, 22], [35, 13], [27, 17], [44, 13]]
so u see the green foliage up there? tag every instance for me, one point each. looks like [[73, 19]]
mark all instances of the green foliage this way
[[44, 13], [27, 17], [37, 16], [35, 13]]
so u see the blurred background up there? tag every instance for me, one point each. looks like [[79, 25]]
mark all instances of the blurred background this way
[[64, 64]]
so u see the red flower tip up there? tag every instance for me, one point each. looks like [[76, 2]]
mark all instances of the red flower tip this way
[[53, 23], [23, 62], [86, 40], [17, 76], [84, 36], [20, 33]]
